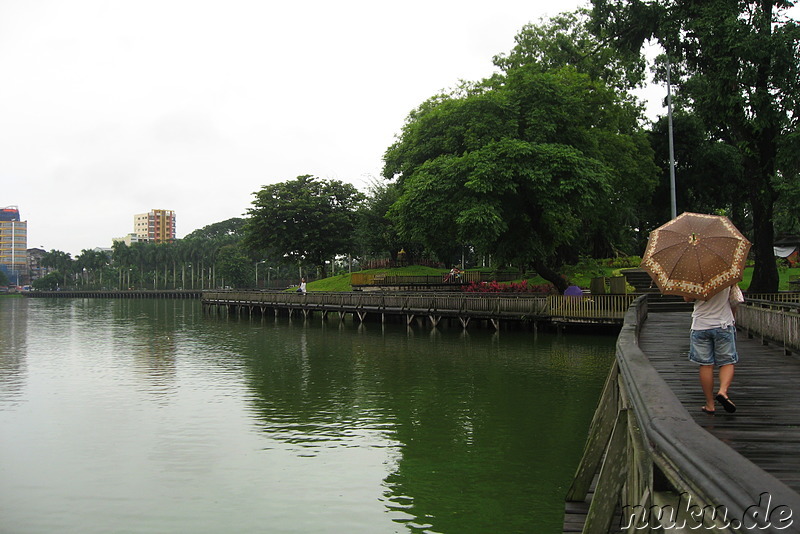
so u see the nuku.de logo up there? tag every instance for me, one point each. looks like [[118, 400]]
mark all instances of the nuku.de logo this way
[[756, 517]]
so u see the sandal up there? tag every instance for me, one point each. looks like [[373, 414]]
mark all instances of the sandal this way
[[726, 403]]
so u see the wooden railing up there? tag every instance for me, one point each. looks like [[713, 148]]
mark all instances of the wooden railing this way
[[589, 307], [599, 308], [115, 294], [651, 458], [452, 303], [784, 296], [773, 321]]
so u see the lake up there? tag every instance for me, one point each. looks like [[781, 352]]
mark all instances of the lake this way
[[149, 416]]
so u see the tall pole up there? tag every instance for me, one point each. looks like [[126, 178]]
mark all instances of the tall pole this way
[[673, 202], [257, 264], [14, 251]]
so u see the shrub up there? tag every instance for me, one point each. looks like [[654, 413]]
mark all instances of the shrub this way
[[512, 287], [624, 262]]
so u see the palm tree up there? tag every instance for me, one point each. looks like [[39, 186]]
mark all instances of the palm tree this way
[[121, 258], [90, 264], [181, 255], [61, 261]]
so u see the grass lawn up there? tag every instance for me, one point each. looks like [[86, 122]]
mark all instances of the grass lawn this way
[[784, 274], [341, 282]]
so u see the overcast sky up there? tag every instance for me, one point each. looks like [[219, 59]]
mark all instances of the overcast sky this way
[[112, 108]]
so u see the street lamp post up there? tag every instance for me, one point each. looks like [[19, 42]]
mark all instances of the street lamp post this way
[[673, 202], [257, 264]]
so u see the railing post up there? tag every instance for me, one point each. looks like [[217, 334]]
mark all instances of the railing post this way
[[599, 433], [611, 479]]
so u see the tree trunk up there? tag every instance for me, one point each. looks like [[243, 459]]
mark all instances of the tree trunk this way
[[550, 275], [762, 164], [765, 273]]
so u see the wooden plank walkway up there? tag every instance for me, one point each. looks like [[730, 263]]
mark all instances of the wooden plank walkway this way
[[493, 307], [766, 425]]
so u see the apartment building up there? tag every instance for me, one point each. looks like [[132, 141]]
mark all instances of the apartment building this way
[[129, 239], [155, 226], [13, 246], [35, 268]]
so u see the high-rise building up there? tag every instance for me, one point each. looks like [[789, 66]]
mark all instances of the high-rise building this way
[[35, 268], [13, 245], [155, 226]]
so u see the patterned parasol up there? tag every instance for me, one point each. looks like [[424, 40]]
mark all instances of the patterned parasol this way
[[696, 255]]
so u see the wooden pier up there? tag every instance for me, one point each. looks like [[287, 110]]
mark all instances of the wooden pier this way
[[654, 461], [492, 308], [118, 294]]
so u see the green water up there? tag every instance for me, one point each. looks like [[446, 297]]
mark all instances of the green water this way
[[149, 416]]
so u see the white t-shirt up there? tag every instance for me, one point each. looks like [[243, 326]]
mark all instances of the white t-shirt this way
[[715, 312]]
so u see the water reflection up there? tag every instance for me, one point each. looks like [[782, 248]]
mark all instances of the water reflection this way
[[231, 423], [13, 367], [467, 419]]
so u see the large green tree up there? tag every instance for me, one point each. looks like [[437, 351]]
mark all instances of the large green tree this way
[[528, 166], [234, 268], [737, 68], [306, 220], [229, 230], [376, 233]]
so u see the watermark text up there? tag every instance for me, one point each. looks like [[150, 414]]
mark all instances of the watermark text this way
[[687, 515]]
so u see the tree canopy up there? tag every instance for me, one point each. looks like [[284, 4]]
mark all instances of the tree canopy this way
[[230, 228], [737, 68], [566, 39], [527, 166], [307, 220]]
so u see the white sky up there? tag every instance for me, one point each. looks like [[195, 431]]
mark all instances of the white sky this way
[[112, 108]]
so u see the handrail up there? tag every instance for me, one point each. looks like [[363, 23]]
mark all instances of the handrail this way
[[117, 294], [664, 437], [778, 322], [718, 474], [774, 304], [783, 296], [597, 308]]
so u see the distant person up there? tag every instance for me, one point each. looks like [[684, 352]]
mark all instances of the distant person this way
[[302, 288], [453, 275], [713, 342]]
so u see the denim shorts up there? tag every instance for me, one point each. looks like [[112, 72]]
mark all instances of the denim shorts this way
[[714, 346]]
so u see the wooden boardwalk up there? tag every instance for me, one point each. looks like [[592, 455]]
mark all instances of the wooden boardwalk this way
[[463, 306], [766, 425], [117, 294]]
